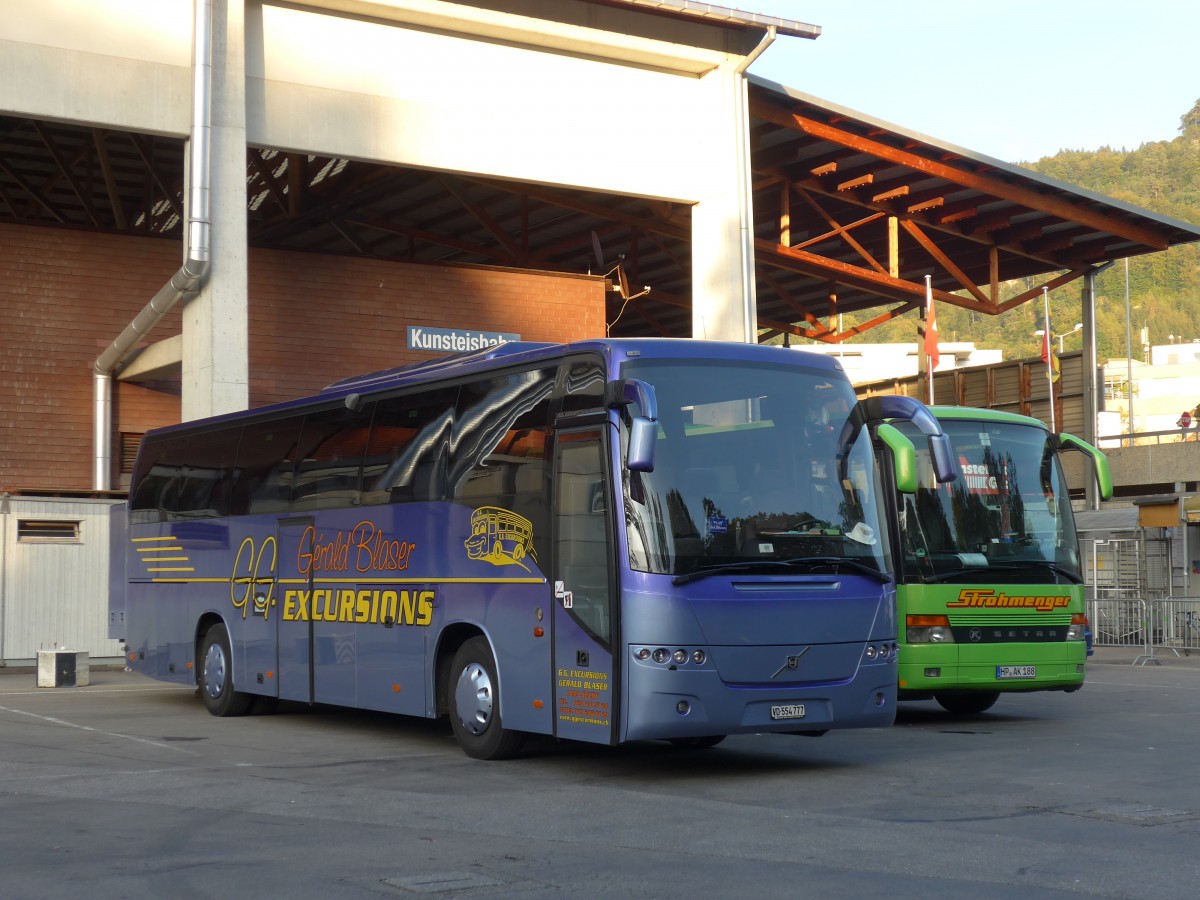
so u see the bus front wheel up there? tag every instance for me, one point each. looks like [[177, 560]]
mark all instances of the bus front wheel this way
[[216, 676], [475, 704], [967, 704]]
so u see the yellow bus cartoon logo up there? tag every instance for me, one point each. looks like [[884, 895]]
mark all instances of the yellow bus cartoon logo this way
[[500, 537]]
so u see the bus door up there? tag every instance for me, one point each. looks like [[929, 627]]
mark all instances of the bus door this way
[[584, 589], [295, 636]]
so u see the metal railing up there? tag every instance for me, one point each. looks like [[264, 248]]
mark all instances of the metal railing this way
[[1148, 626], [1176, 625], [1148, 438]]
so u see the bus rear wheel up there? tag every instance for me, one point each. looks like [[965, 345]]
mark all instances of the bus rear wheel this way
[[967, 704], [216, 676], [475, 704]]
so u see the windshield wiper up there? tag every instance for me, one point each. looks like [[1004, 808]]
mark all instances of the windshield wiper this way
[[1041, 564], [1005, 566], [796, 562]]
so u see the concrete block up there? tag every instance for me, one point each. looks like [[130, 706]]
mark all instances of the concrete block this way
[[63, 668]]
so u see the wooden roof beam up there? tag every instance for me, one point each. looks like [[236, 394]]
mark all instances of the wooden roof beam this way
[[1052, 284], [67, 171], [477, 210], [844, 232], [868, 280], [110, 180], [994, 186], [944, 261], [36, 196]]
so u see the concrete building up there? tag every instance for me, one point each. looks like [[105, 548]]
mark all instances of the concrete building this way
[[211, 205], [875, 362]]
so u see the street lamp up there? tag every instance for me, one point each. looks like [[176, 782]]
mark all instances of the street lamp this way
[[1041, 331]]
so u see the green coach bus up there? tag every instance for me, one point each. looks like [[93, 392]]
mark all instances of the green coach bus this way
[[990, 587]]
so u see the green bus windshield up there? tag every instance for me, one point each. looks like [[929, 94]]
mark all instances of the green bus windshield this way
[[1005, 519]]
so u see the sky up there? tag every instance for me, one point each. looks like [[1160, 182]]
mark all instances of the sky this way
[[1013, 79]]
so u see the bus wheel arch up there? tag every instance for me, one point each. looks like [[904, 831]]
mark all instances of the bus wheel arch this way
[[214, 672], [474, 698]]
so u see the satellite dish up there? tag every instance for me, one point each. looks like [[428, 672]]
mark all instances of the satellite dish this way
[[597, 250]]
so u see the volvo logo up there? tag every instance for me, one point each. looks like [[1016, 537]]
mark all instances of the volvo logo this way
[[791, 662]]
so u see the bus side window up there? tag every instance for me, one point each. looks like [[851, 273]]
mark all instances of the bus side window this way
[[206, 476], [332, 443], [406, 453], [500, 428], [583, 386], [265, 463], [151, 487]]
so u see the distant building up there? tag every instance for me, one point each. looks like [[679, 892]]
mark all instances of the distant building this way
[[865, 363], [1162, 390]]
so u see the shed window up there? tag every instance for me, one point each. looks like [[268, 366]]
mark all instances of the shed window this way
[[48, 531]]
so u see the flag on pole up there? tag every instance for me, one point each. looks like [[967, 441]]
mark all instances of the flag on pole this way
[[1049, 357], [931, 332]]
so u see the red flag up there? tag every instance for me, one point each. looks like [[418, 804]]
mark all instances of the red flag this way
[[931, 334], [1049, 357]]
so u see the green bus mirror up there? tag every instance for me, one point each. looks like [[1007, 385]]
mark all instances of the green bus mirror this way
[[904, 457], [1099, 462]]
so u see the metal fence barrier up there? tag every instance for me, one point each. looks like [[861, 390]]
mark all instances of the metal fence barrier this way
[[1151, 627], [1176, 625], [1120, 623]]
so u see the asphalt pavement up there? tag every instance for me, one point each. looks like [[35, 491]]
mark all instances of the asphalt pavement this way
[[128, 788]]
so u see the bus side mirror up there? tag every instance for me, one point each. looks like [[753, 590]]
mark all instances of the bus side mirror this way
[[642, 435], [941, 454], [878, 409], [1099, 462], [904, 457], [643, 430]]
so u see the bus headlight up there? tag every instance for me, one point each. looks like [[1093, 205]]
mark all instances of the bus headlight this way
[[928, 630]]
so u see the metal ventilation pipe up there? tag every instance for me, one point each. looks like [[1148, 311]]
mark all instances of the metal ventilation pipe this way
[[197, 247]]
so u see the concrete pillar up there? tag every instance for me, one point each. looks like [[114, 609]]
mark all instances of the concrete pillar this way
[[723, 293], [215, 323]]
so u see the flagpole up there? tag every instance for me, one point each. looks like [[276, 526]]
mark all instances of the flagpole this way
[[930, 362], [1048, 353]]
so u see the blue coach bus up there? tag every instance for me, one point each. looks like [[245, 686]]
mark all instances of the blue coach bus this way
[[605, 541]]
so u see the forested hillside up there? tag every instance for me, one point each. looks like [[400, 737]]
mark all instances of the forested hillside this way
[[1164, 288]]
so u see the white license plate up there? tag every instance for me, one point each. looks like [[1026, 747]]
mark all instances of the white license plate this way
[[791, 711], [1016, 671]]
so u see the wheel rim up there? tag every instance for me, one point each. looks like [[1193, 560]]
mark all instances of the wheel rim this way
[[215, 670], [473, 698]]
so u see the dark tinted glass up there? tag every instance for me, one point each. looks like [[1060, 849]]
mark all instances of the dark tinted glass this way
[[265, 467], [330, 464], [406, 454], [188, 476]]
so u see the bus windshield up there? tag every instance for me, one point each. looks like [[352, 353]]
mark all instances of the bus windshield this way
[[1006, 518], [746, 473]]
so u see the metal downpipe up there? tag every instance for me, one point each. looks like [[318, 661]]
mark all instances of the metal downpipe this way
[[197, 248]]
